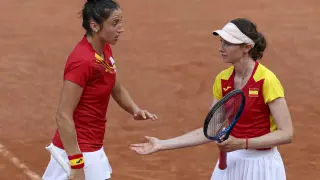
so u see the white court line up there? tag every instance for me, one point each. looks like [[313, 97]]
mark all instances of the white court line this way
[[7, 154]]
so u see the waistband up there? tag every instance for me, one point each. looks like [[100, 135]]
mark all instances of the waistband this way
[[255, 153], [63, 151]]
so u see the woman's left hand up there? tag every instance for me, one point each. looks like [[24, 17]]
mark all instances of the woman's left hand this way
[[144, 115], [232, 144]]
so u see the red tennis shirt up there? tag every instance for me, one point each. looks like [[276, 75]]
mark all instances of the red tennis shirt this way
[[262, 88], [97, 77]]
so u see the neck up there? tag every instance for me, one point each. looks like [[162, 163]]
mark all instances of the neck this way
[[97, 44], [244, 66]]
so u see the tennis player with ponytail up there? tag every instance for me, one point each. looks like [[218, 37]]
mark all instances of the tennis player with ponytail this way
[[89, 81], [265, 122]]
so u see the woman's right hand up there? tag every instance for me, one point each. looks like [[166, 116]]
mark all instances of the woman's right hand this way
[[77, 174], [153, 145]]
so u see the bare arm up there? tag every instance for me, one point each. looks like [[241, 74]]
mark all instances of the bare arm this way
[[192, 138], [284, 132], [122, 97], [69, 99]]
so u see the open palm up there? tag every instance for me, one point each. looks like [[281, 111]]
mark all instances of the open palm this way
[[149, 147]]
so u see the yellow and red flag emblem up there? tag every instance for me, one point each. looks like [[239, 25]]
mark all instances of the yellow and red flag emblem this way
[[253, 92]]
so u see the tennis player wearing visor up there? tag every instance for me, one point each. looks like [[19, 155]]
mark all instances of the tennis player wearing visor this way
[[265, 122]]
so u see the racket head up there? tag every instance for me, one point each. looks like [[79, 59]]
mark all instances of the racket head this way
[[224, 115]]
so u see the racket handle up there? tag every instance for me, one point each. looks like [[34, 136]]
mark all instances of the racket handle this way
[[223, 160], [57, 156]]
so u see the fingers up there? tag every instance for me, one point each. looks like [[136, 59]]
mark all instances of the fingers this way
[[223, 148], [142, 144], [225, 142], [71, 178], [227, 145], [134, 148], [155, 117], [222, 144], [139, 150], [144, 114], [151, 116], [140, 114], [139, 145], [148, 115]]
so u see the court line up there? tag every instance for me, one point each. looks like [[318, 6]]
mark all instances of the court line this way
[[15, 161]]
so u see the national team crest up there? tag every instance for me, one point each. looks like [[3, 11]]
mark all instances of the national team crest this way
[[253, 92]]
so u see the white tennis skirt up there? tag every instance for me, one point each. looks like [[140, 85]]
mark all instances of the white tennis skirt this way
[[96, 167], [252, 165]]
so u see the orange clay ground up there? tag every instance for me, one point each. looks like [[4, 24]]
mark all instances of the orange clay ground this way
[[167, 59]]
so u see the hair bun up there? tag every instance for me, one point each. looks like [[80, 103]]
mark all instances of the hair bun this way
[[260, 36]]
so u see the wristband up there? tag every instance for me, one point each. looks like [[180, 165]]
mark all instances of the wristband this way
[[76, 161]]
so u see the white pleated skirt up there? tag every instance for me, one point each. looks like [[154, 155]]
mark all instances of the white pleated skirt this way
[[252, 165]]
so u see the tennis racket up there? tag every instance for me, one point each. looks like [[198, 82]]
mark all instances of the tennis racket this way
[[57, 156], [221, 119]]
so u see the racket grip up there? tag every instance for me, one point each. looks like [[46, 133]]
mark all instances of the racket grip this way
[[65, 166], [223, 160]]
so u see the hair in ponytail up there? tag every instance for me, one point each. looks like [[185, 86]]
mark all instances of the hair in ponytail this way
[[250, 29]]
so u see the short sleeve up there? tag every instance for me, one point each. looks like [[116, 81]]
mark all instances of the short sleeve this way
[[217, 91], [78, 71], [272, 88]]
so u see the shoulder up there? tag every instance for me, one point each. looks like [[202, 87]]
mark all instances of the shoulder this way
[[225, 74], [81, 55], [271, 88], [218, 83], [265, 74], [76, 60]]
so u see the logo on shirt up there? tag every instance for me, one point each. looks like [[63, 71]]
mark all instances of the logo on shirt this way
[[253, 92], [227, 88], [113, 62]]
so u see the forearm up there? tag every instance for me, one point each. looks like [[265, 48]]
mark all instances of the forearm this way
[[68, 134], [192, 138], [124, 100], [272, 139]]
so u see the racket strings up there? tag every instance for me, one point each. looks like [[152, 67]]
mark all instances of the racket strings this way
[[224, 115]]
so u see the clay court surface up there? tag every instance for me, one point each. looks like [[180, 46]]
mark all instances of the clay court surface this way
[[167, 59]]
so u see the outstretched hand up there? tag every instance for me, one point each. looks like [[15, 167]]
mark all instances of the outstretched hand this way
[[153, 145], [144, 115]]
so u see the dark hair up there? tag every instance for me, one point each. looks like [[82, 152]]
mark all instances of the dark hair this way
[[250, 29], [97, 10]]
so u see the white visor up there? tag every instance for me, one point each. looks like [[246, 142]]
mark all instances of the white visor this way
[[231, 33]]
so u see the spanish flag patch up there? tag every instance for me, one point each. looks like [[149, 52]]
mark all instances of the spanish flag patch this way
[[253, 92]]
